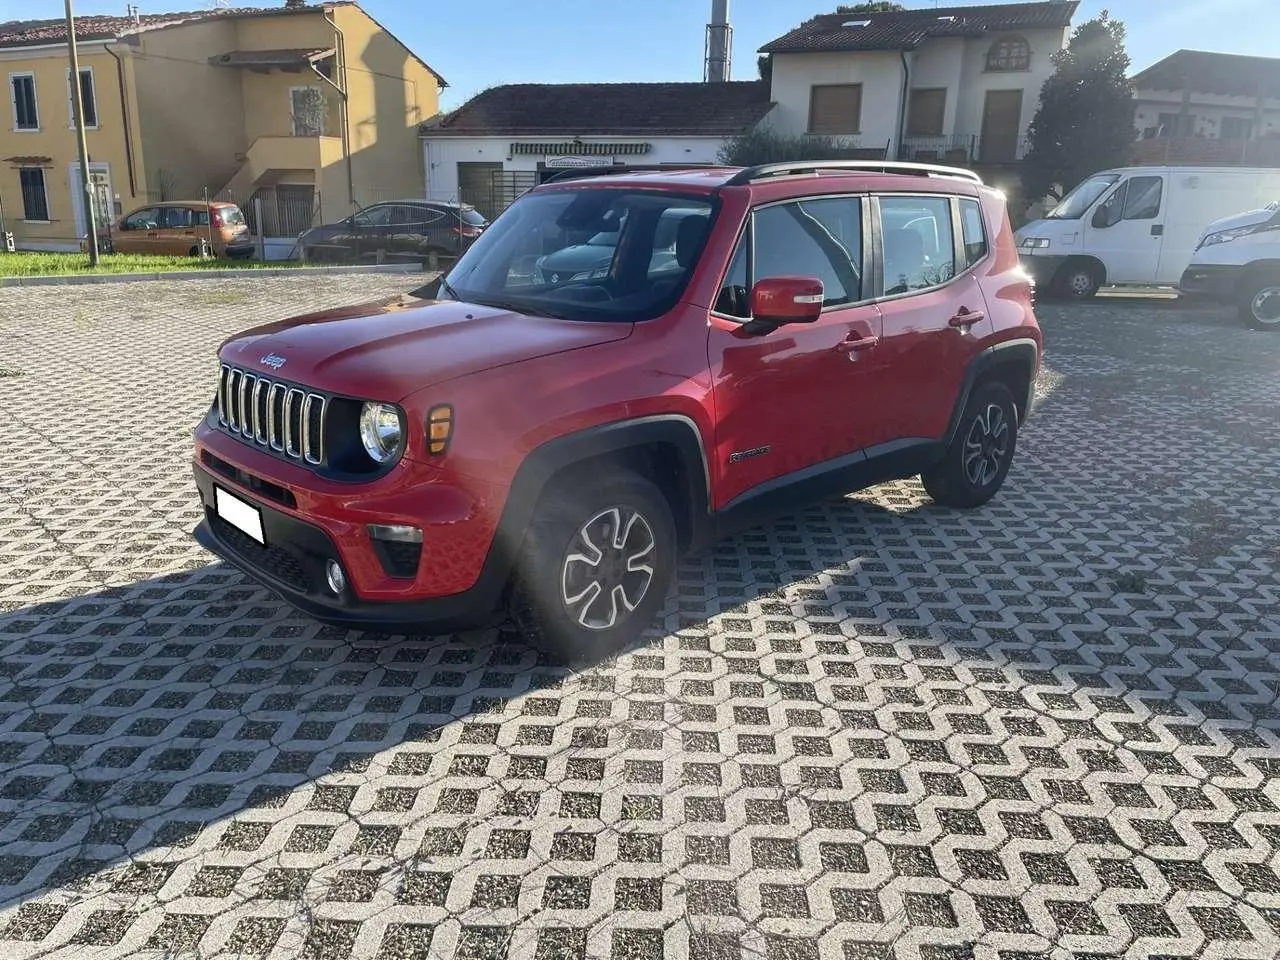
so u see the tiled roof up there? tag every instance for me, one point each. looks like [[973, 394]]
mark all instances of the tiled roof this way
[[270, 58], [907, 29], [21, 33], [1227, 74], [615, 109]]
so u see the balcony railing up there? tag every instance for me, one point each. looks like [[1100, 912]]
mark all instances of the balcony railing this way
[[956, 150]]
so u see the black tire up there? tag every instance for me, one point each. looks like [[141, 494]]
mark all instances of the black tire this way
[[1078, 280], [1260, 302], [988, 428], [560, 604]]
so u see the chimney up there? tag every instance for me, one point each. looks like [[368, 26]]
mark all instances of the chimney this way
[[719, 44]]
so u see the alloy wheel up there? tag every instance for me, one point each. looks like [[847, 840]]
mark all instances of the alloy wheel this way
[[608, 568], [986, 446], [1266, 305]]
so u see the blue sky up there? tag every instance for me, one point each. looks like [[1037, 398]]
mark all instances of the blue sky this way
[[480, 43]]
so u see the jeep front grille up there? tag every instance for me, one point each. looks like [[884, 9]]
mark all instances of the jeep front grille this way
[[282, 417]]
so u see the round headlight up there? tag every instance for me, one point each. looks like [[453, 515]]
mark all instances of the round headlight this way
[[380, 431]]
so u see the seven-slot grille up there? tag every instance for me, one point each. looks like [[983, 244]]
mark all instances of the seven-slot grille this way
[[285, 418]]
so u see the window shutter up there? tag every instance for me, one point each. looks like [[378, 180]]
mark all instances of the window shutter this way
[[835, 108]]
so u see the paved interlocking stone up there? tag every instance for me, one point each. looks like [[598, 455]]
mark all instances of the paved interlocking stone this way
[[877, 729]]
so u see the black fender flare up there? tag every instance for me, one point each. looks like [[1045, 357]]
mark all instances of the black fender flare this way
[[553, 456], [1022, 351]]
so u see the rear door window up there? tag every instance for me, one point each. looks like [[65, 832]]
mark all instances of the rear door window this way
[[176, 218], [919, 249]]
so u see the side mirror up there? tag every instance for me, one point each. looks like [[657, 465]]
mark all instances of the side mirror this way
[[776, 301]]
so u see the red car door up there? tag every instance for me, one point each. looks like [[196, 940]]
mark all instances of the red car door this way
[[934, 314], [793, 398]]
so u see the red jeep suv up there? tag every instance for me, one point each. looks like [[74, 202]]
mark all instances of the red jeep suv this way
[[554, 437]]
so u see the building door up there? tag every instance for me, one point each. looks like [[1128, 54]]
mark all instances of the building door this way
[[475, 186], [1001, 122], [103, 209]]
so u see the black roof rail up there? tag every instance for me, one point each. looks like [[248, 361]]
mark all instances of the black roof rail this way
[[579, 173], [764, 170]]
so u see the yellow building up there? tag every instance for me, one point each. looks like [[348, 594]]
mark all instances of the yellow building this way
[[312, 111]]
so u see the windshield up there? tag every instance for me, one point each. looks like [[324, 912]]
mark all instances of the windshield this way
[[647, 244], [1075, 203], [231, 216]]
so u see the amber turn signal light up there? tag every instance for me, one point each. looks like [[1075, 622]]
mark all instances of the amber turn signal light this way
[[439, 428]]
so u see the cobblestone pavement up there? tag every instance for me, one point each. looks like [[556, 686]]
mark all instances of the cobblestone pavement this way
[[879, 729]]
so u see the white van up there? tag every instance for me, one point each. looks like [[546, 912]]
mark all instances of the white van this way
[[1135, 225], [1237, 263]]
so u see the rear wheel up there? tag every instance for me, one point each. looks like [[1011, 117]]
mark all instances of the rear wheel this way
[[1260, 304], [1078, 281], [977, 460], [597, 559]]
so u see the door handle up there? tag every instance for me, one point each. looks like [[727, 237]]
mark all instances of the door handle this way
[[1157, 230], [857, 346], [966, 318]]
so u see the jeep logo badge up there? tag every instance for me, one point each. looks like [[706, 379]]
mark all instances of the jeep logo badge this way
[[273, 361]]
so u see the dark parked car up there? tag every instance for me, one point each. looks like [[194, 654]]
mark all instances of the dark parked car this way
[[591, 260], [398, 230]]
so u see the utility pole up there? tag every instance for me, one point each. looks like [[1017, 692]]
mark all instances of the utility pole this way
[[76, 101]]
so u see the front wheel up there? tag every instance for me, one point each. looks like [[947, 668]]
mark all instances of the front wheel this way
[[1078, 281], [596, 563], [1260, 305], [978, 457]]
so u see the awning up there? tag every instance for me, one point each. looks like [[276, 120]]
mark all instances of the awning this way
[[268, 59], [577, 148]]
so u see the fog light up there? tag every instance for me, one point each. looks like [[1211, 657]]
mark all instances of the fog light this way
[[334, 576], [400, 533]]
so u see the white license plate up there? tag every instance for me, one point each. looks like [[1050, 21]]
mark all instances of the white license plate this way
[[241, 515]]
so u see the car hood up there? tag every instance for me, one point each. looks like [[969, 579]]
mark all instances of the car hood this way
[[390, 349], [1246, 219]]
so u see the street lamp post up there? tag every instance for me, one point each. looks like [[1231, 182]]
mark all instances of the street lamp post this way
[[78, 108]]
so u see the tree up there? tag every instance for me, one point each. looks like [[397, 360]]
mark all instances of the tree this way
[[873, 6], [1085, 120], [764, 64]]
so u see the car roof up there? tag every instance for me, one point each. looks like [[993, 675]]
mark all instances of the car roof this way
[[187, 203], [422, 202]]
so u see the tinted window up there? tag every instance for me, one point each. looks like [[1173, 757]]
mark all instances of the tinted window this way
[[812, 238], [536, 258], [973, 232], [1143, 202], [175, 217], [148, 219], [918, 247], [378, 216], [734, 300]]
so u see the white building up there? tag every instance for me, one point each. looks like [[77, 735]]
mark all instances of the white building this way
[[954, 84], [1209, 107], [510, 138]]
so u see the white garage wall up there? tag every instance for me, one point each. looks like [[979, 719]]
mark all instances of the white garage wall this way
[[441, 155]]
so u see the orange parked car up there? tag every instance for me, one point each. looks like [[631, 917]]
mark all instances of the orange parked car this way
[[175, 228]]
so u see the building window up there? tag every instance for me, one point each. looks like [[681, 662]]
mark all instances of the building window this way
[[835, 108], [35, 200], [926, 112], [1009, 55], [310, 109], [22, 90], [1176, 125], [1236, 128], [88, 99]]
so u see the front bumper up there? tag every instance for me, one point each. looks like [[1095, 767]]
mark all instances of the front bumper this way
[[292, 564], [1217, 283], [1043, 268]]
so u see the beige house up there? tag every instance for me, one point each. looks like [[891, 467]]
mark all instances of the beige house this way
[[312, 111]]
